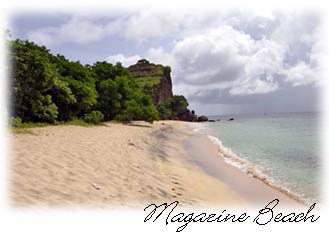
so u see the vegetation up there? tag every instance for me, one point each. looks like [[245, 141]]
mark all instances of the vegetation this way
[[50, 89], [148, 81], [94, 117], [171, 108], [143, 61]]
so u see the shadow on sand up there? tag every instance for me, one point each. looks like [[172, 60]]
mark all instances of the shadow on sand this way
[[138, 125]]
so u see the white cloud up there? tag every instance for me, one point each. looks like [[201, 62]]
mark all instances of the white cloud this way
[[148, 24], [254, 86], [301, 74], [240, 52], [158, 55], [125, 61], [76, 30], [227, 59], [136, 26]]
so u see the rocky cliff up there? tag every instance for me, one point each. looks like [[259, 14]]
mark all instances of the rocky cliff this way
[[153, 79]]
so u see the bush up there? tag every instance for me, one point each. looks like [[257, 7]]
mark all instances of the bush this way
[[164, 111], [139, 108], [16, 122], [94, 117], [171, 108]]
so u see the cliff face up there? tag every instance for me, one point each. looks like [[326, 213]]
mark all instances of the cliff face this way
[[163, 90], [153, 79]]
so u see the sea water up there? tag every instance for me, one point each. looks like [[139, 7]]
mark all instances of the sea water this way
[[282, 150]]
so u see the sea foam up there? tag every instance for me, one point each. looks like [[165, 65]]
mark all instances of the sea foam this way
[[251, 169]]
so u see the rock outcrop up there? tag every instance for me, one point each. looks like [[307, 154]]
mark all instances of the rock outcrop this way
[[202, 118], [154, 79], [186, 115]]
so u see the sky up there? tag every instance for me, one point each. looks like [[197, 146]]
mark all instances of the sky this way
[[224, 61]]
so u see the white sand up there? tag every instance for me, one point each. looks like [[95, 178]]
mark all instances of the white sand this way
[[111, 165]]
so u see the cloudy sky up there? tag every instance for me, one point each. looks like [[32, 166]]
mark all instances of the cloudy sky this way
[[224, 61]]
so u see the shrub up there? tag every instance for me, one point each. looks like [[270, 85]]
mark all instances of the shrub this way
[[94, 117], [172, 107], [16, 122], [164, 111]]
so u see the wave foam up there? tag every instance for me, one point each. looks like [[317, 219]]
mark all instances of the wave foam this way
[[251, 169], [197, 127]]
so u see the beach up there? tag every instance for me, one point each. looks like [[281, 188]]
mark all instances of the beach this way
[[127, 165]]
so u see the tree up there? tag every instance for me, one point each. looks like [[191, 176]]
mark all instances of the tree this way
[[94, 117], [164, 111], [135, 105], [143, 61], [172, 107], [81, 82], [48, 88], [109, 98], [33, 78], [63, 98], [138, 108]]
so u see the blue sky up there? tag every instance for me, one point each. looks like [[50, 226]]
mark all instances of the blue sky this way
[[223, 61]]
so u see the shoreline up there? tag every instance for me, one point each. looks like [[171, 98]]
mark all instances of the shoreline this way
[[254, 190], [127, 165]]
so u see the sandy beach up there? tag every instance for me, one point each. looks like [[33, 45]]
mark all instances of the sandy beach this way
[[127, 165]]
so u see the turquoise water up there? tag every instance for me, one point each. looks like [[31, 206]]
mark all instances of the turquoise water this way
[[283, 149]]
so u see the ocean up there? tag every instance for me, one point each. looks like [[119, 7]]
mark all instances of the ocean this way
[[282, 150]]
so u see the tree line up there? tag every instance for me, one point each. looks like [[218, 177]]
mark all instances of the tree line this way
[[50, 88]]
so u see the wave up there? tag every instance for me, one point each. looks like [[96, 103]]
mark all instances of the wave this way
[[197, 127], [253, 170]]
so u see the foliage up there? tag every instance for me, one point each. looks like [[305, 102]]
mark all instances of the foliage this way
[[105, 70], [164, 111], [94, 117], [16, 122], [136, 105], [143, 61], [135, 111], [177, 102], [109, 98], [78, 95], [33, 78], [172, 107], [148, 80], [49, 89]]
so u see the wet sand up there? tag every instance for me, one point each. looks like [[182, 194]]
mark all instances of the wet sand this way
[[204, 153]]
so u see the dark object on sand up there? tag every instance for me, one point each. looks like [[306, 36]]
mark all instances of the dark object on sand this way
[[202, 118], [211, 120], [218, 120], [231, 119]]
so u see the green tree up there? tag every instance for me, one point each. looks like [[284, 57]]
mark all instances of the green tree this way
[[63, 98], [94, 117], [135, 104], [48, 88], [109, 98], [164, 111], [111, 90], [177, 103], [33, 77], [138, 108], [81, 81], [172, 107]]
